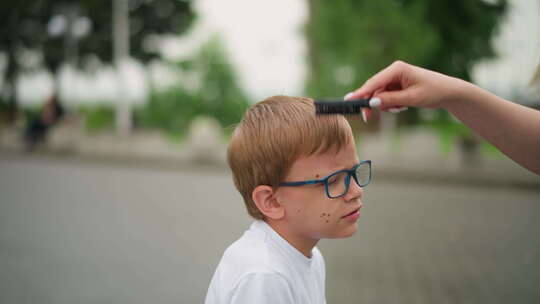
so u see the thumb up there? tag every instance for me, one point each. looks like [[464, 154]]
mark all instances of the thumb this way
[[400, 98]]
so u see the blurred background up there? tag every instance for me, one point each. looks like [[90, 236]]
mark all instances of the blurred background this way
[[115, 116]]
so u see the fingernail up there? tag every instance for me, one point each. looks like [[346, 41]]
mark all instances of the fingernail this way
[[364, 117], [397, 110], [348, 96], [375, 102]]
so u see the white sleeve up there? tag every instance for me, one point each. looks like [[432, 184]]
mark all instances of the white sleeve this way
[[263, 288]]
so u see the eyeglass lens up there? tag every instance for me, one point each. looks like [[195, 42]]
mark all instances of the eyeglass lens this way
[[338, 183]]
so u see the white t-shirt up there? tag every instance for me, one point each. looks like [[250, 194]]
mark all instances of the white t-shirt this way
[[262, 267]]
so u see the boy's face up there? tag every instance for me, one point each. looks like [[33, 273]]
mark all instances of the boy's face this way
[[309, 213]]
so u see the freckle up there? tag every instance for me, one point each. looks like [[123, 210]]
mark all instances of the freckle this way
[[298, 211], [323, 214], [327, 221], [328, 215], [317, 175]]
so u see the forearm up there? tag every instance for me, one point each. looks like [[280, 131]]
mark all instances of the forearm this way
[[513, 128]]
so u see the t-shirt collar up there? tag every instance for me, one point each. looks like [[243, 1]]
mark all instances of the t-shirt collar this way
[[283, 243]]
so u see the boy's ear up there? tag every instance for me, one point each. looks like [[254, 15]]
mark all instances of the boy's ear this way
[[264, 199]]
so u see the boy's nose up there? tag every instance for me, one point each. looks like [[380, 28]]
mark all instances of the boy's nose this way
[[354, 192]]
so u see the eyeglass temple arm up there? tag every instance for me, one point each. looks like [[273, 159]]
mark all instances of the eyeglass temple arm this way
[[308, 182]]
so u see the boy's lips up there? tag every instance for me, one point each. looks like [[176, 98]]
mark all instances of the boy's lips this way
[[352, 212]]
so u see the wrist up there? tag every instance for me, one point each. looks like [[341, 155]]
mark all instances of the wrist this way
[[459, 93]]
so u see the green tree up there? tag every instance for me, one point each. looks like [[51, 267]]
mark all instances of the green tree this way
[[27, 24], [221, 96], [23, 26], [218, 96], [351, 40]]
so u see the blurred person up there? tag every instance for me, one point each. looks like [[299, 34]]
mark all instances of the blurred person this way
[[301, 180], [512, 128], [36, 131]]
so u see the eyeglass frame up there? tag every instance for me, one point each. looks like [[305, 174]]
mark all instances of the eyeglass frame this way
[[350, 172]]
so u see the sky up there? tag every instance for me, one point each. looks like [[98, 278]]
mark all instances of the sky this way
[[263, 39], [518, 50]]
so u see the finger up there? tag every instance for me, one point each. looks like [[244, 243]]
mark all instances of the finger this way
[[397, 110], [397, 99], [366, 114], [348, 96], [379, 81]]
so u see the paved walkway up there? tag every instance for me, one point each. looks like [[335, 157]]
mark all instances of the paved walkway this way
[[79, 231]]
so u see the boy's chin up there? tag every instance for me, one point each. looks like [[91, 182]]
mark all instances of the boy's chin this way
[[344, 233]]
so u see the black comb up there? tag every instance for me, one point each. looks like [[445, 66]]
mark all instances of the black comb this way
[[353, 106]]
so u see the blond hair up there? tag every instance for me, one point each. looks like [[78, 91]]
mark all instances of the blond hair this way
[[272, 135]]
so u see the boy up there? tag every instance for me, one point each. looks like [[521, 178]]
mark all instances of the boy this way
[[301, 180]]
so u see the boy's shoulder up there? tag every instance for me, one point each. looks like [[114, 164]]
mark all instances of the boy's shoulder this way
[[261, 250], [250, 253]]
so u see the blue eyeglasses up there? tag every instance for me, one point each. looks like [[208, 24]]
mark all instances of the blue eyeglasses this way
[[337, 183]]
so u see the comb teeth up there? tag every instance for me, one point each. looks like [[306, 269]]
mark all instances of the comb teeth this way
[[341, 107]]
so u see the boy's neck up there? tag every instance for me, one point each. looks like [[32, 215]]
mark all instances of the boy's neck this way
[[302, 244]]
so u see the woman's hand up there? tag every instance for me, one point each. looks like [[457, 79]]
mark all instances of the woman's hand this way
[[403, 85]]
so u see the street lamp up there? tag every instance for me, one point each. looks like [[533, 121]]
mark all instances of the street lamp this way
[[121, 52]]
